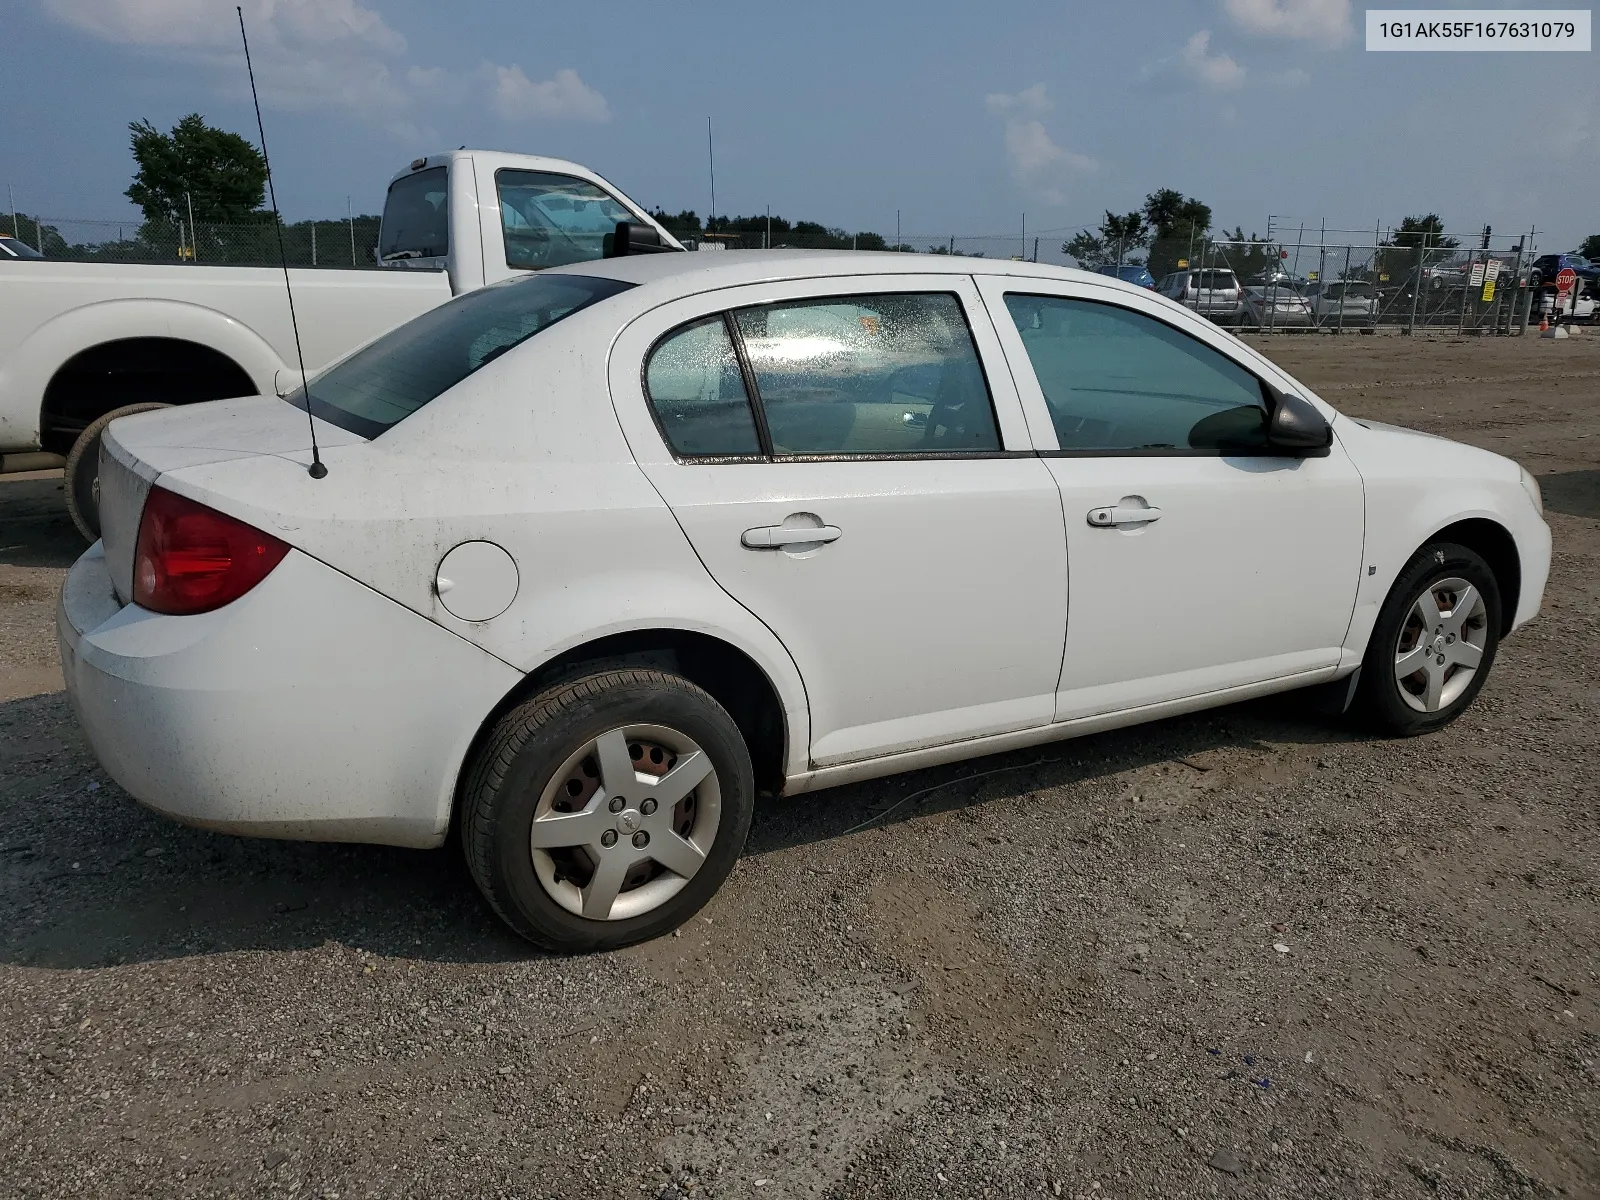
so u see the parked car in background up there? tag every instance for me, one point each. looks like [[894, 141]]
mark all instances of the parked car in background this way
[[603, 552], [1212, 292], [12, 247], [1345, 303], [1135, 273], [1276, 307], [1545, 268], [1277, 278], [81, 342]]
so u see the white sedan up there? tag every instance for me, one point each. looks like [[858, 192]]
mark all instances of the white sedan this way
[[603, 552]]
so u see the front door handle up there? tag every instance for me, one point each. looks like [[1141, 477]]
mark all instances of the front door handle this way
[[775, 537], [1122, 514]]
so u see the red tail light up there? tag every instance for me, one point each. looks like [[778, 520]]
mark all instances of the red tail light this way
[[192, 559]]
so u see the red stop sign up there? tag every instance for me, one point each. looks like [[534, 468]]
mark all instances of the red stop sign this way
[[1566, 279]]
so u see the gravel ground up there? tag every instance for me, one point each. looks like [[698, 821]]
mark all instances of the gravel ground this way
[[1245, 953]]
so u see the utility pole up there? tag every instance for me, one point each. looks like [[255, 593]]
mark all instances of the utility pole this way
[[194, 241], [897, 229]]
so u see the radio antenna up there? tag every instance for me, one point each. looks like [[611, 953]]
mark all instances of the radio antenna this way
[[317, 469]]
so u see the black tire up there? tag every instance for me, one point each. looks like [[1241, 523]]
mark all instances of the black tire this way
[[519, 759], [82, 471], [1379, 702]]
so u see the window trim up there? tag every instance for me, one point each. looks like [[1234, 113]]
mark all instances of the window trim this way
[[758, 407], [1262, 385]]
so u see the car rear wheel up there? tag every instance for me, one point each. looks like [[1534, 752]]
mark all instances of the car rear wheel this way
[[607, 810], [82, 471], [1434, 642]]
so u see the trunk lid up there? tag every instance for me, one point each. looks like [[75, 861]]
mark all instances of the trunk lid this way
[[136, 451]]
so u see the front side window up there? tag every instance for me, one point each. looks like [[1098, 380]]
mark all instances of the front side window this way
[[1117, 381], [550, 220], [694, 384], [411, 365], [871, 374], [416, 217]]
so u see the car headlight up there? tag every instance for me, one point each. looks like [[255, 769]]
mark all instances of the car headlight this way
[[1531, 486]]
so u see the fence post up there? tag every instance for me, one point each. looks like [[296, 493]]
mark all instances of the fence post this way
[[313, 243], [1416, 286], [1344, 291], [1466, 292]]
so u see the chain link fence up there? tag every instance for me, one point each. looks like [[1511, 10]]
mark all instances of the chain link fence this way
[[349, 243], [1326, 280]]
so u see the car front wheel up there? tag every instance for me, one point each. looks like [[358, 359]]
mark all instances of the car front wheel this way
[[607, 810], [1433, 644]]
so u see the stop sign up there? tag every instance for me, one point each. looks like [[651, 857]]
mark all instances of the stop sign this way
[[1566, 279]]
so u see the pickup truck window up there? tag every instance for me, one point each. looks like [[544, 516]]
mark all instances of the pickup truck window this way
[[407, 367], [551, 220], [416, 217]]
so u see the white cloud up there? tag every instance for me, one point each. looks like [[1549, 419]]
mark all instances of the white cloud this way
[[1218, 72], [562, 97], [1294, 77], [1037, 161], [320, 54], [1325, 21], [207, 23], [1195, 65]]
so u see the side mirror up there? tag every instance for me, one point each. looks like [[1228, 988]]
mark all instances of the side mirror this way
[[633, 238], [1297, 427]]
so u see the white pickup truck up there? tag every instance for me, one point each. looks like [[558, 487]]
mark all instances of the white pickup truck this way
[[84, 343]]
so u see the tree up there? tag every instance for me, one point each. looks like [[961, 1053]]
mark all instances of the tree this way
[[220, 174], [1122, 234], [1591, 247], [1426, 231], [1178, 228], [1089, 250]]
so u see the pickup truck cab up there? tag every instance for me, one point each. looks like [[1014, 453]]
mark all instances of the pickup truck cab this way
[[83, 343]]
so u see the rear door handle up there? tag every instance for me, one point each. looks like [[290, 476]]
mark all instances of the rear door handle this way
[[775, 537], [1120, 514]]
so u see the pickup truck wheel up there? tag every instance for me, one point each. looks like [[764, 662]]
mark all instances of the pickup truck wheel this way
[[83, 470], [1433, 644], [607, 809]]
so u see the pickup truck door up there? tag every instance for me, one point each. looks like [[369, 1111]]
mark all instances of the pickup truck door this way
[[879, 507], [1200, 559]]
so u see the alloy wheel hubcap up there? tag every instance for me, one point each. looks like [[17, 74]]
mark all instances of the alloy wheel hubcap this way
[[625, 822], [1441, 644]]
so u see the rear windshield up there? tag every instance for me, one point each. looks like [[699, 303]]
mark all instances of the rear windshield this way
[[409, 366], [1212, 279], [416, 218]]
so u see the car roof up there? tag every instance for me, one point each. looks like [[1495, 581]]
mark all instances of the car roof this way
[[698, 271]]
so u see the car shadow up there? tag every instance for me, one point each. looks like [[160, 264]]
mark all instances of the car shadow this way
[[1576, 493], [35, 530], [90, 878]]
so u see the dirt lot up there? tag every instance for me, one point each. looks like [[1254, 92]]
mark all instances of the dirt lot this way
[[1055, 974]]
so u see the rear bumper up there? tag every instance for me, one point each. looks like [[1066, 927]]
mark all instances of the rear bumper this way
[[311, 708]]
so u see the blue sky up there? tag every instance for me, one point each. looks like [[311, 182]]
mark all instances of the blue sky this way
[[960, 116]]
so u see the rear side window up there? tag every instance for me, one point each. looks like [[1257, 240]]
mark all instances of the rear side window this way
[[697, 391], [416, 217], [407, 367], [1119, 382], [872, 374], [550, 220]]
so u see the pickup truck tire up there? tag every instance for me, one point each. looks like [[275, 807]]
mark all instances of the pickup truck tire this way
[[83, 470]]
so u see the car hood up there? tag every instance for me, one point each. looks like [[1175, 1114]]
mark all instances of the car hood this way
[[1424, 455]]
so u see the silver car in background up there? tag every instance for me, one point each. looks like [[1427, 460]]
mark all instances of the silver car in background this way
[[1212, 292], [1350, 303], [1276, 306]]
